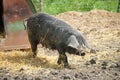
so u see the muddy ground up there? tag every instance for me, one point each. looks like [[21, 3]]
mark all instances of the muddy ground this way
[[101, 29]]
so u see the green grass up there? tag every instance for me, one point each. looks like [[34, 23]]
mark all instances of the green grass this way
[[59, 6]]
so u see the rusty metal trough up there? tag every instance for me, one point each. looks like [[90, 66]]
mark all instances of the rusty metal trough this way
[[12, 30]]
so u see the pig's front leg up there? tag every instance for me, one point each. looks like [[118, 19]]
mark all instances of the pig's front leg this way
[[62, 57]]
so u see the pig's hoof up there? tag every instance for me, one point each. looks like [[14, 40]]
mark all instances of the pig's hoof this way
[[59, 62], [34, 56], [67, 66]]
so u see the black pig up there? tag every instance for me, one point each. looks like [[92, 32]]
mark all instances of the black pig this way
[[54, 34]]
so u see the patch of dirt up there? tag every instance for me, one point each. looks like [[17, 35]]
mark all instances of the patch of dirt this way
[[101, 29]]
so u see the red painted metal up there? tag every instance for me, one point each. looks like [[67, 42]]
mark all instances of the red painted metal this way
[[15, 10]]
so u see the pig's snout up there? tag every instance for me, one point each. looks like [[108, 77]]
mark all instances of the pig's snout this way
[[81, 53]]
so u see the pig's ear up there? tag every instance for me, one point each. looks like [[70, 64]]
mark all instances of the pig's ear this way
[[72, 42], [25, 23]]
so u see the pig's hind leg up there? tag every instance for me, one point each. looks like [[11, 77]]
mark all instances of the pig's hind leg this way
[[33, 43]]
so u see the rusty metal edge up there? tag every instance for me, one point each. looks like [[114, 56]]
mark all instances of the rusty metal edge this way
[[5, 48]]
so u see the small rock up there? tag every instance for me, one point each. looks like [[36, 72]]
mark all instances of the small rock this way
[[92, 30], [66, 77], [21, 69], [93, 72], [118, 64], [54, 72], [92, 61], [37, 78], [104, 63], [118, 34], [115, 74], [103, 67], [87, 63], [85, 77], [113, 65], [118, 50], [92, 51], [16, 78], [5, 78], [76, 75]]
